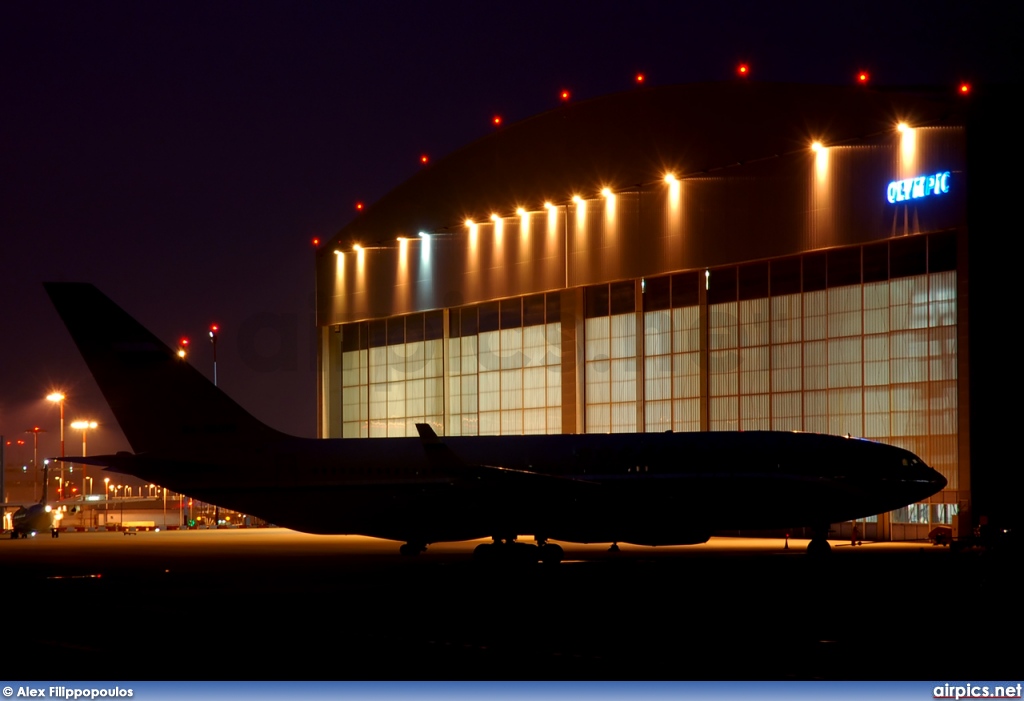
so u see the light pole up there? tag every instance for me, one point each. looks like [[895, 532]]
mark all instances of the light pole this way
[[213, 340], [83, 426], [58, 397], [121, 499], [35, 431], [88, 490]]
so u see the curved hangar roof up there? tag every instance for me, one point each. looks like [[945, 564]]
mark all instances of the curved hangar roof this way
[[626, 139]]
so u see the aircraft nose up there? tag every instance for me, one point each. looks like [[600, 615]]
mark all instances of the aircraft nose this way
[[937, 480]]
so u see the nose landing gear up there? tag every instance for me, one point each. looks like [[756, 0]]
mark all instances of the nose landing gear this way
[[819, 542]]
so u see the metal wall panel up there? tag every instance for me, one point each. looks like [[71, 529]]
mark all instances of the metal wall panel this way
[[778, 206]]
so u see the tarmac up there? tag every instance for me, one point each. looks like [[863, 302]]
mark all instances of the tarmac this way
[[275, 604]]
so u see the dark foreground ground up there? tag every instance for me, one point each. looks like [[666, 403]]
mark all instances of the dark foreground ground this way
[[271, 604]]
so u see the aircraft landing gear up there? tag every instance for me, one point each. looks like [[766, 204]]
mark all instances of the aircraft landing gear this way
[[412, 549], [507, 550], [819, 542], [551, 553]]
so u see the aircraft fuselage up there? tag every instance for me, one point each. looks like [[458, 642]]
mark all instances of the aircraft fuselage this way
[[31, 519], [651, 489]]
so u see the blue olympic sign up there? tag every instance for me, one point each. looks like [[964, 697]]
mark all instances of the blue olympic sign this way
[[916, 188]]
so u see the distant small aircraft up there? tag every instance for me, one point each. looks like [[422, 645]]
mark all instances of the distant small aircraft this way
[[30, 519], [643, 488]]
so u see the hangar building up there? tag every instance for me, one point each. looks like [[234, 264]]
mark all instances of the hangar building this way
[[706, 257]]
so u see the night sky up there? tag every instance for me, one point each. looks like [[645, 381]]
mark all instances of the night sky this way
[[182, 155]]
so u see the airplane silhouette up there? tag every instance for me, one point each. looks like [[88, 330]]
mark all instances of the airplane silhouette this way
[[641, 488], [30, 519]]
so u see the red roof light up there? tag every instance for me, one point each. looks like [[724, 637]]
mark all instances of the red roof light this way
[[639, 77], [862, 77], [743, 69], [496, 120], [359, 206], [565, 95]]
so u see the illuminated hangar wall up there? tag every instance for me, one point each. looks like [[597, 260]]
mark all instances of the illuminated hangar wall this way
[[815, 291]]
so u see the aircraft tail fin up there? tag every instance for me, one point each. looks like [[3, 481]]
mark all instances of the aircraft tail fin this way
[[159, 399]]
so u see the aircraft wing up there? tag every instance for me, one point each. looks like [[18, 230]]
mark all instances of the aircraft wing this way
[[511, 473], [101, 460], [446, 460], [120, 462]]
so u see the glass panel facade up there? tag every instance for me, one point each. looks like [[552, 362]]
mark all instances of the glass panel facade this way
[[611, 360], [389, 383], [355, 394], [786, 348], [505, 381], [671, 353]]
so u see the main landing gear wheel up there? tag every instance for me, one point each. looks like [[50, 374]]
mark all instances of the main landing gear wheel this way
[[551, 554], [508, 551]]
